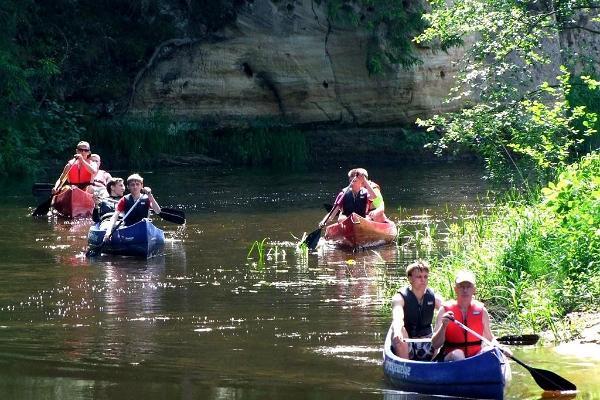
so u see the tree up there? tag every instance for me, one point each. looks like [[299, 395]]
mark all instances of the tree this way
[[517, 114]]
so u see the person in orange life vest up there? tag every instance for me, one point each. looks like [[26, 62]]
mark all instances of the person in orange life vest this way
[[81, 168], [356, 200], [412, 314], [101, 178], [455, 342], [135, 184]]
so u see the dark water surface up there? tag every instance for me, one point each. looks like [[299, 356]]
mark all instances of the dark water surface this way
[[205, 322]]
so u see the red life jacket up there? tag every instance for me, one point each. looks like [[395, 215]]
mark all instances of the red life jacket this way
[[457, 337], [78, 174]]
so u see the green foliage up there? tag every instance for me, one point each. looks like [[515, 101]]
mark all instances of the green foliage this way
[[536, 259], [277, 147], [523, 129], [392, 25], [64, 63]]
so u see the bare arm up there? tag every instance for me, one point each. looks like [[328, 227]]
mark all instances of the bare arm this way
[[439, 332], [487, 331], [398, 317], [111, 224], [327, 217], [153, 203]]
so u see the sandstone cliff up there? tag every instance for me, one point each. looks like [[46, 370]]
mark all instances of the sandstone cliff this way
[[291, 63]]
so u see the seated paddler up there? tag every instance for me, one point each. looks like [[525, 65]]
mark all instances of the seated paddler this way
[[412, 312], [357, 198], [454, 342], [79, 171], [105, 206], [139, 209]]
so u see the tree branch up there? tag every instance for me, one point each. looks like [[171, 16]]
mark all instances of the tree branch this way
[[152, 60]]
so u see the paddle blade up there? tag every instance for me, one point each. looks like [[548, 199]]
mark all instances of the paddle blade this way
[[548, 380], [312, 239], [93, 251], [176, 217], [516, 340], [39, 189], [43, 208]]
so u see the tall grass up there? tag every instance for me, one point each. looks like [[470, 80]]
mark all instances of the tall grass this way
[[536, 258]]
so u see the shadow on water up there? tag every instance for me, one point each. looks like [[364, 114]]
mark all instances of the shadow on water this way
[[205, 321]]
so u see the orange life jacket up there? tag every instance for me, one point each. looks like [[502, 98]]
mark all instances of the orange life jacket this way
[[457, 337], [78, 174]]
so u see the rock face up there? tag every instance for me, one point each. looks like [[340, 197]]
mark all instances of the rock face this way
[[291, 63]]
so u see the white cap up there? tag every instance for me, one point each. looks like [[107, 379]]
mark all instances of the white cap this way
[[465, 276]]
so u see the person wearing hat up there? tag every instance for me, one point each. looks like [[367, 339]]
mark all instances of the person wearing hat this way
[[81, 169], [412, 314], [454, 342], [362, 197]]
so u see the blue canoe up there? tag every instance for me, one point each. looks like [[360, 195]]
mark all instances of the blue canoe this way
[[483, 376], [141, 239]]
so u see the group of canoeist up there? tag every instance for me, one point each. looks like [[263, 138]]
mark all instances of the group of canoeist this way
[[83, 171], [413, 309]]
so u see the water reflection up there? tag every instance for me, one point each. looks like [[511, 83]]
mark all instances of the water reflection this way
[[203, 320]]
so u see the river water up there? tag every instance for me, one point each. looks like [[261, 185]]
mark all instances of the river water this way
[[204, 320]]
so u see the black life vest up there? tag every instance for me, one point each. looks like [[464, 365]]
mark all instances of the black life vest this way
[[107, 205], [355, 203], [418, 317], [140, 212]]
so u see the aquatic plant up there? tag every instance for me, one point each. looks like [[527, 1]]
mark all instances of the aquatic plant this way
[[259, 248]]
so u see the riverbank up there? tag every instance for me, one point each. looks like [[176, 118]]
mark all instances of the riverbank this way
[[585, 341]]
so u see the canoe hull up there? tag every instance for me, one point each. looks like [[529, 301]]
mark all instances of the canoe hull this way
[[73, 203], [141, 239], [357, 232], [483, 376]]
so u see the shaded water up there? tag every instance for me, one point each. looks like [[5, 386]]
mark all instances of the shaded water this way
[[203, 321]]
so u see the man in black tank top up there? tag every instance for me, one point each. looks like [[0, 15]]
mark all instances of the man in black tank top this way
[[412, 313]]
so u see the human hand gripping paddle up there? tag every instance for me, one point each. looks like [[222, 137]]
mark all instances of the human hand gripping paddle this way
[[44, 207], [94, 251], [547, 380], [312, 239]]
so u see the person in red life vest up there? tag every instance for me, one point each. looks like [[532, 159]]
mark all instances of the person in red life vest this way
[[101, 178], [358, 199], [454, 342], [81, 168], [412, 314], [135, 184]]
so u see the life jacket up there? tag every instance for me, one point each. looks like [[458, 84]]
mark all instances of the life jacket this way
[[140, 212], [355, 204], [100, 179], [79, 175], [107, 205], [459, 338], [378, 200], [418, 317]]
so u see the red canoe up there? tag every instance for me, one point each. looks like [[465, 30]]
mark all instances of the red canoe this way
[[74, 202], [357, 232]]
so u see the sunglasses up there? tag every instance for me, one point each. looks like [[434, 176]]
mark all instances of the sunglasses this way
[[86, 150]]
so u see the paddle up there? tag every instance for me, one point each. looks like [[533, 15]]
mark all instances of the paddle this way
[[94, 251], [312, 239], [172, 215], [39, 189], [547, 380], [44, 207], [527, 339], [523, 340]]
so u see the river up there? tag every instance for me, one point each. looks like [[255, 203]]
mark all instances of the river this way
[[204, 320]]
